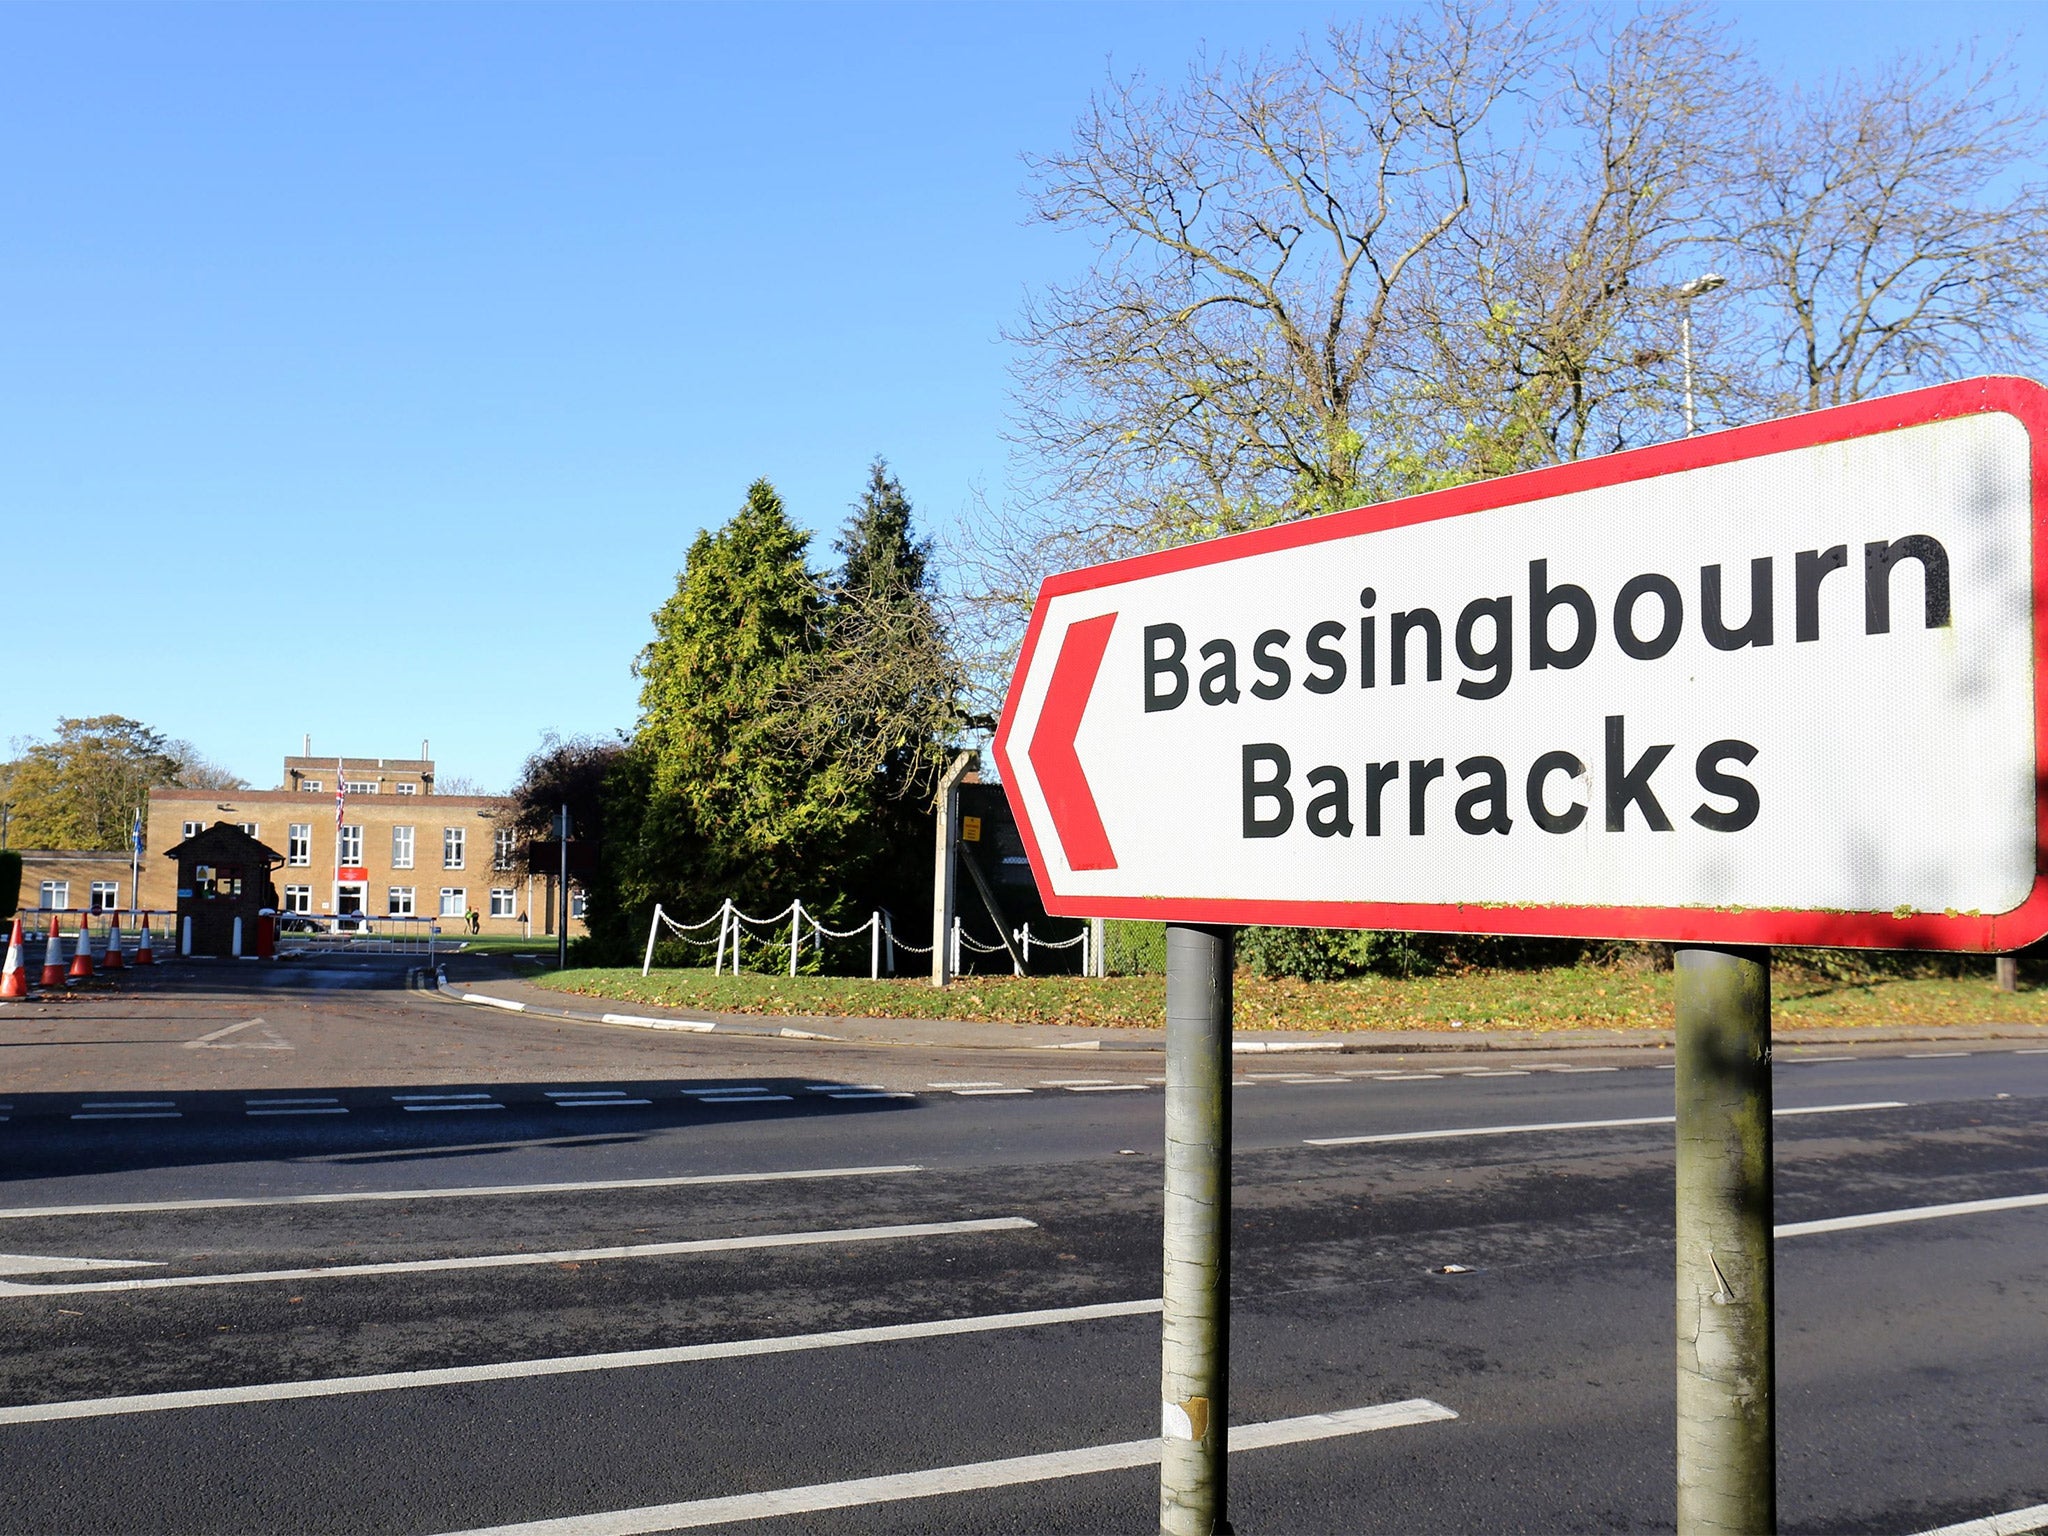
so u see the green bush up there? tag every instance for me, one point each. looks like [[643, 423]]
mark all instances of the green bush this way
[[1134, 949]]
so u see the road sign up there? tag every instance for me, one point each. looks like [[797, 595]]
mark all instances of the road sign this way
[[1777, 685]]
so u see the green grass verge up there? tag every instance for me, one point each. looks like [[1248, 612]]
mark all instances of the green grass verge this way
[[1565, 997]]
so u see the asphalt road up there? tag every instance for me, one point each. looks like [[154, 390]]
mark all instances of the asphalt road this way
[[398, 1153]]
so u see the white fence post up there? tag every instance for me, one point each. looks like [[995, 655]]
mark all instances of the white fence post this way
[[1084, 954], [796, 933], [1027, 944], [956, 947], [890, 930], [653, 926], [874, 946]]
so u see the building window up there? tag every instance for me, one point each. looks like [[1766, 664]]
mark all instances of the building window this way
[[406, 789], [452, 840], [501, 901], [54, 895], [193, 828], [298, 845], [401, 847], [106, 896], [575, 903], [312, 786], [248, 828], [398, 900], [454, 902], [298, 898], [359, 786], [348, 850], [501, 848]]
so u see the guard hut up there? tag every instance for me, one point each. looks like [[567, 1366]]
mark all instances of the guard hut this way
[[223, 884]]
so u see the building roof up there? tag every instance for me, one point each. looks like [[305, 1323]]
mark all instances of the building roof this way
[[226, 843]]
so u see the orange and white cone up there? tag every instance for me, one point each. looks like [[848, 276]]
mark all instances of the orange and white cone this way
[[13, 979], [114, 960], [81, 957], [142, 954], [53, 958]]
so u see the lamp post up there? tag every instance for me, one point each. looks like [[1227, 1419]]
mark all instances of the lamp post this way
[[1706, 282]]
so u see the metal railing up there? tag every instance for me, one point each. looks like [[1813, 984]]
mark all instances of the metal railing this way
[[879, 928]]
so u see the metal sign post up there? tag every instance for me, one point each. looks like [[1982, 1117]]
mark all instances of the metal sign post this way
[[1786, 684], [1727, 1367], [562, 894], [1195, 1360]]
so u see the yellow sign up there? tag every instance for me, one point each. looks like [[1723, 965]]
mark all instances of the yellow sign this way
[[970, 829]]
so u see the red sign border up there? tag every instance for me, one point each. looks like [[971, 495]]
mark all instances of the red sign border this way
[[1995, 933]]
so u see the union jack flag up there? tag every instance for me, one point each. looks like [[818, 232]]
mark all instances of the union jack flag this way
[[340, 795]]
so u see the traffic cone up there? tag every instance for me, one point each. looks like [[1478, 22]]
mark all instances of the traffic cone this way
[[81, 957], [142, 954], [53, 959], [13, 979], [115, 959]]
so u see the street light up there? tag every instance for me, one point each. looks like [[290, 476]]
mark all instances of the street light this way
[[1706, 282]]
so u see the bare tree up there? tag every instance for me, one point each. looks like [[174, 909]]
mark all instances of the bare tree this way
[[1553, 312], [1887, 234], [1258, 230]]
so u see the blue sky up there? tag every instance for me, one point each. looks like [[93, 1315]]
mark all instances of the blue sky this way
[[366, 371]]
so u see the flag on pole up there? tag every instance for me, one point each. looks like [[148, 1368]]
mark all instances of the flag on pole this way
[[340, 795]]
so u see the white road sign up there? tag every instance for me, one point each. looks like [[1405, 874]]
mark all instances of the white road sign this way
[[1775, 685]]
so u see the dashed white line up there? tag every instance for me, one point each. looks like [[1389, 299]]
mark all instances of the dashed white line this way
[[1914, 1213], [566, 1365], [1564, 1125], [2016, 1522], [429, 1108], [425, 1098], [1410, 1077], [129, 1104], [1074, 1082], [288, 1103], [131, 1114], [1570, 1070], [1810, 1060], [988, 1093], [1006, 1473], [701, 1093], [1109, 1088], [585, 1093], [963, 1085], [325, 1109], [742, 1098], [604, 1103], [1934, 1055], [524, 1260], [872, 1093], [467, 1191]]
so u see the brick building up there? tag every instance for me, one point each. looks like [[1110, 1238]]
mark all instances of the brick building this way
[[401, 850]]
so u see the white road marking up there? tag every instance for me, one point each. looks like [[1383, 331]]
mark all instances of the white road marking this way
[[1562, 1125], [842, 1087], [204, 1041], [988, 1093], [2032, 1050], [1915, 1213], [129, 1104], [743, 1098], [1075, 1082], [1410, 1077], [604, 1103], [1578, 1069], [1109, 1088], [41, 1264], [586, 1093], [872, 1093], [431, 1107], [1809, 1060], [1484, 1130], [288, 1103], [132, 1114], [567, 1365], [963, 1085], [1499, 1072], [523, 1260], [331, 1109], [425, 1098], [2017, 1522], [971, 1477], [1933, 1055], [1841, 1109], [494, 1002], [698, 1093], [459, 1192]]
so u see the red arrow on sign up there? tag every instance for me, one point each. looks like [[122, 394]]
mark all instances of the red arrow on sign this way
[[1058, 766]]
